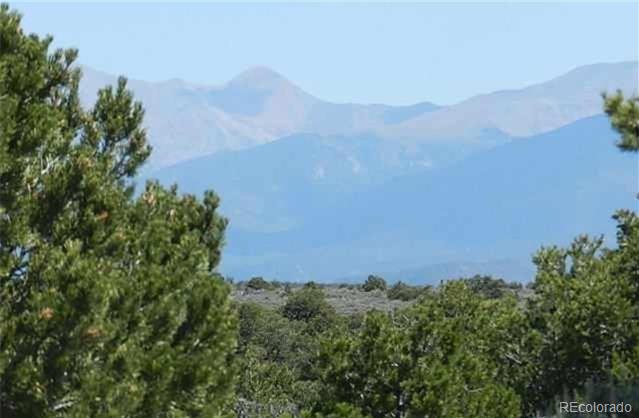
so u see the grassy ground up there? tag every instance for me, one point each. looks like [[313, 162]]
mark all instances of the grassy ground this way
[[346, 301]]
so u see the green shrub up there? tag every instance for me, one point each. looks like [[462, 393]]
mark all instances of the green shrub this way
[[309, 305], [402, 291], [258, 283], [486, 286], [374, 283], [341, 410], [311, 285]]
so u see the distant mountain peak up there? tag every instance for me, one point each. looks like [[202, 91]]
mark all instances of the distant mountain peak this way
[[186, 120], [259, 77]]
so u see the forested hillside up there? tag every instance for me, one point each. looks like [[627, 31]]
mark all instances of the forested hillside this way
[[112, 304], [317, 208]]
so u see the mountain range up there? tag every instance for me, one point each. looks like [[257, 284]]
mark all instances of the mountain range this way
[[493, 209], [322, 191], [187, 121]]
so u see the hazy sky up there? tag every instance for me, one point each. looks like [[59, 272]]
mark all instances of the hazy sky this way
[[369, 53]]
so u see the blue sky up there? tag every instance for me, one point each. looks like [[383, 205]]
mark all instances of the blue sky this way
[[367, 53]]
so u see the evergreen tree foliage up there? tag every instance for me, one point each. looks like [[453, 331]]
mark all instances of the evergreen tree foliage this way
[[465, 349], [583, 312], [374, 283], [341, 410], [489, 286], [402, 291], [309, 304], [624, 118], [258, 283], [367, 369], [436, 359], [111, 306]]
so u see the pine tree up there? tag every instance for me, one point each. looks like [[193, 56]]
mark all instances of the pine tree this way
[[624, 118], [451, 355], [110, 303]]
